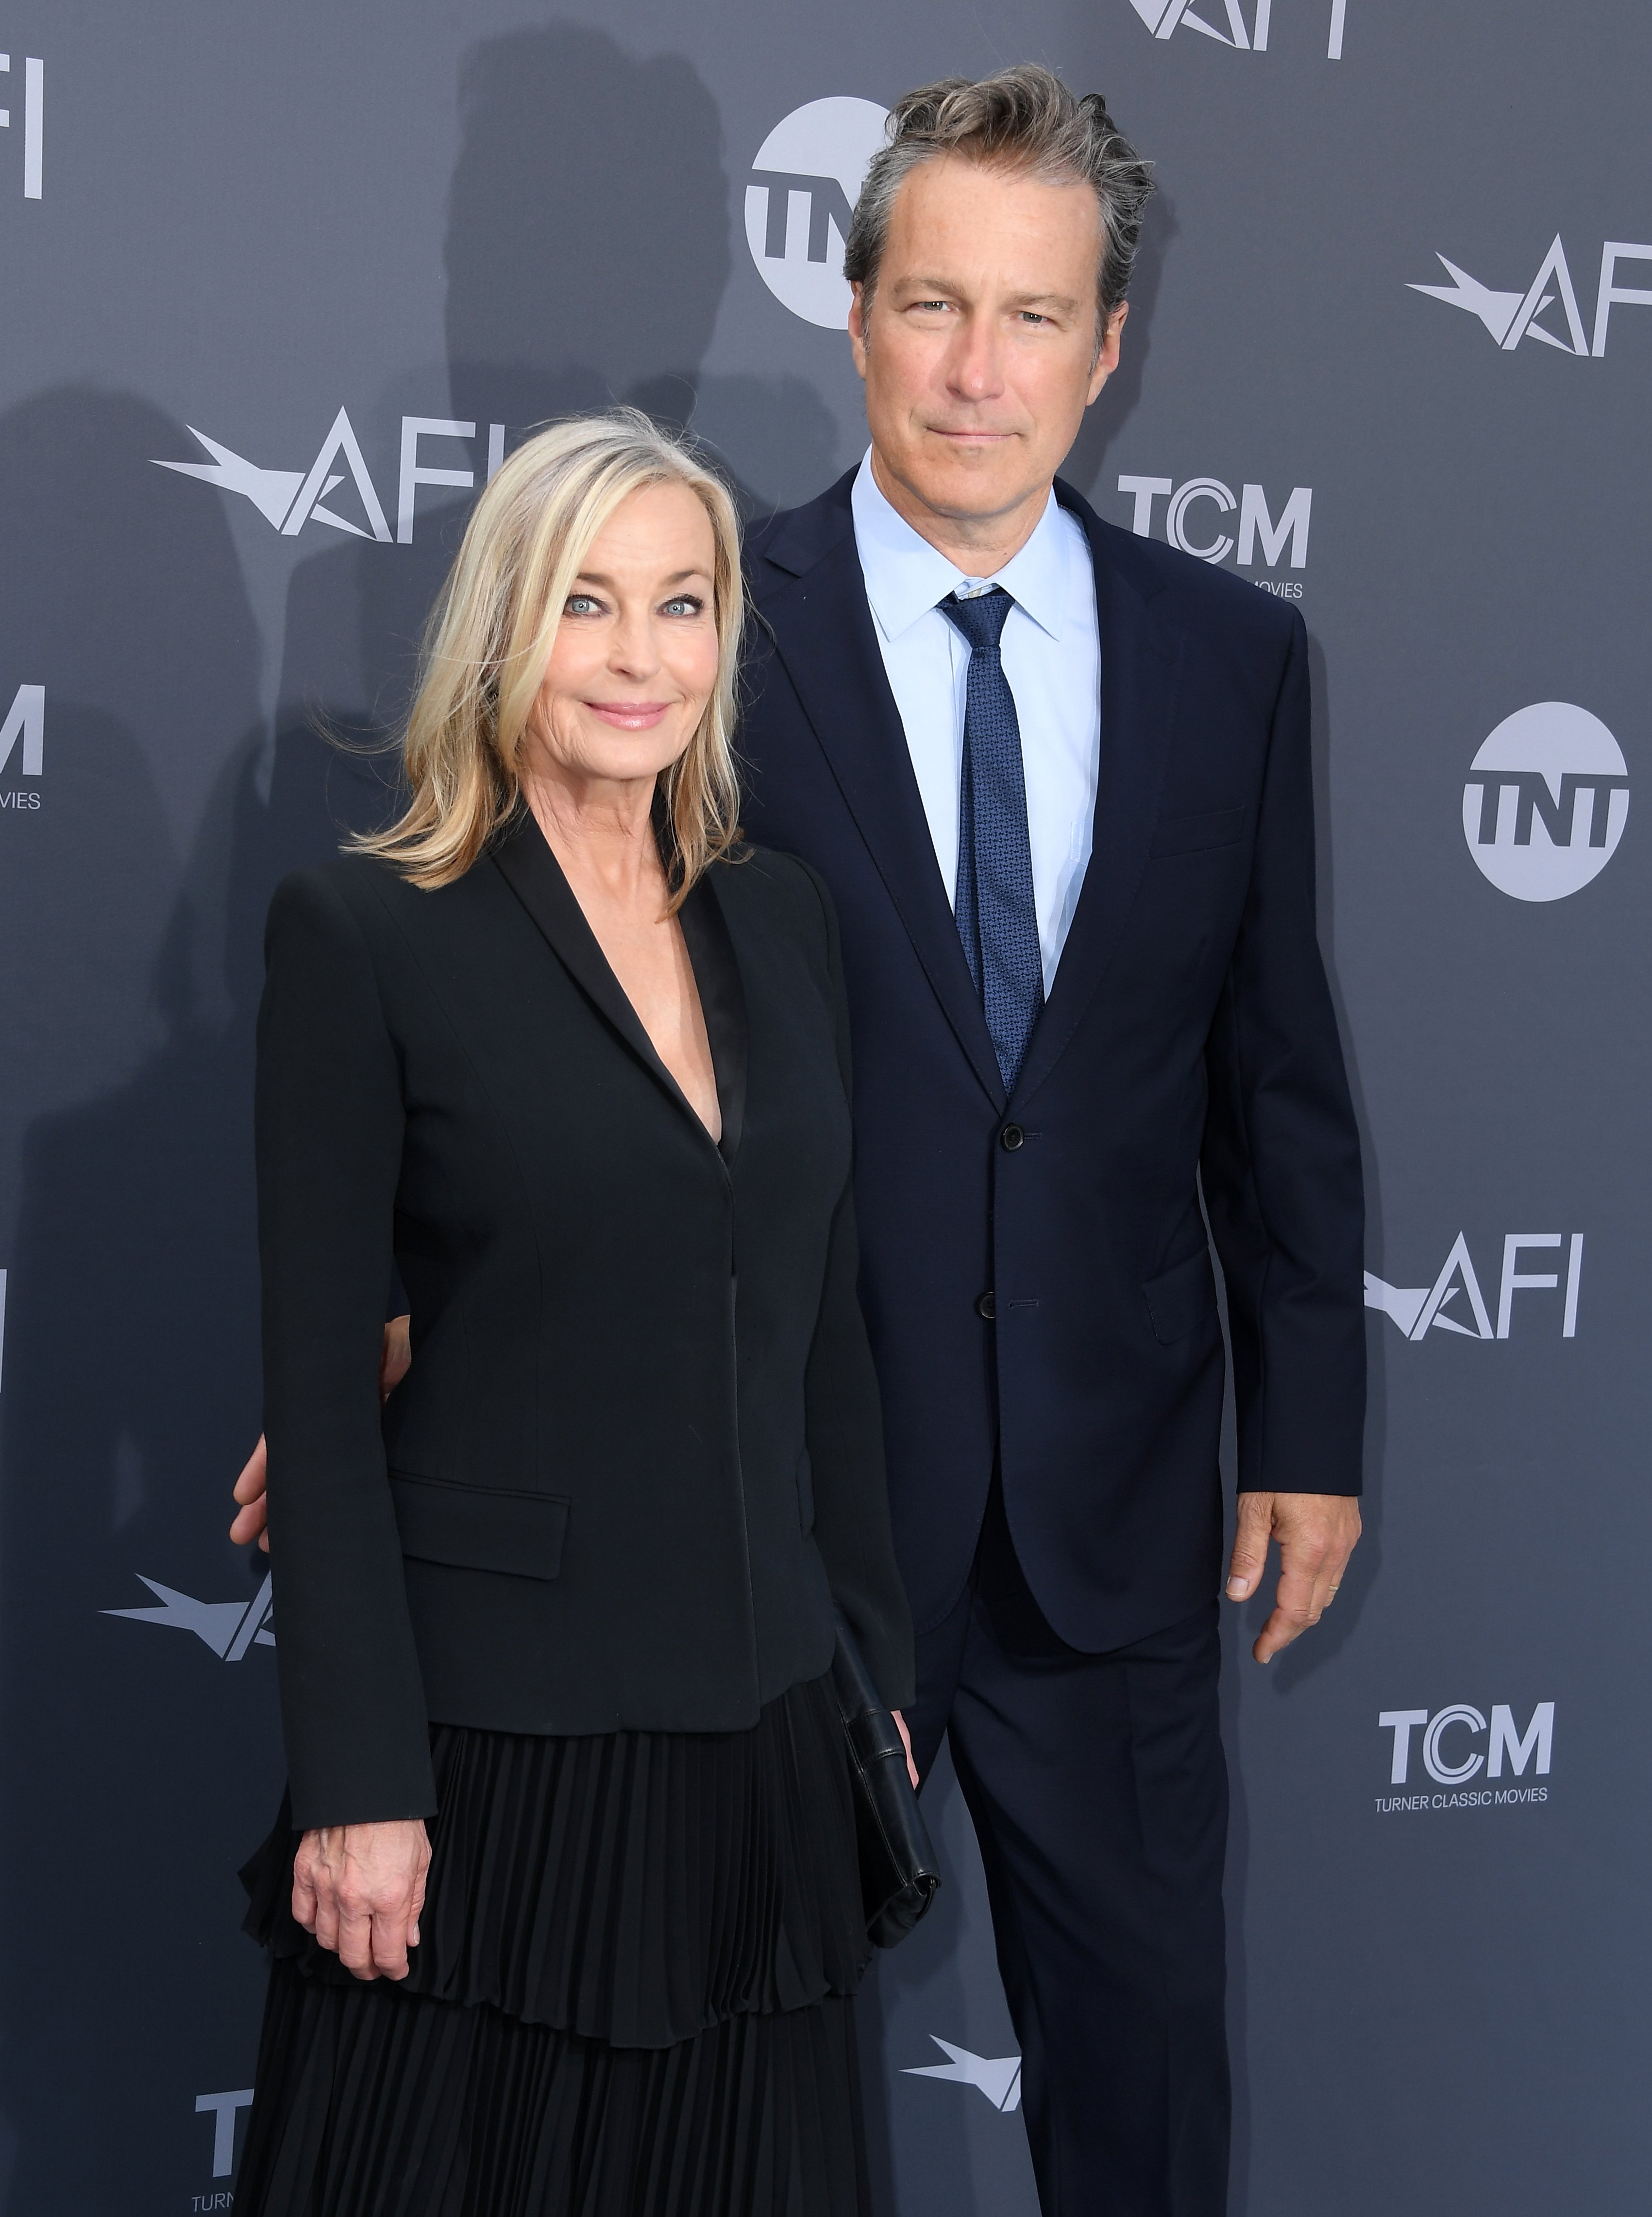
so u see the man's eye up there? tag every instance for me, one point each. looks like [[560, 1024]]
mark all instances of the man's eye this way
[[1032, 316]]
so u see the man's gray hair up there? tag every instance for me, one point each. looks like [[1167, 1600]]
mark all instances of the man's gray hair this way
[[1023, 118]]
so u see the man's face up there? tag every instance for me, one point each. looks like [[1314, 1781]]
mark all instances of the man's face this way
[[978, 350]]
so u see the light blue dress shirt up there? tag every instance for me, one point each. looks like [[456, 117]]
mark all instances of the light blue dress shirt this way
[[1052, 659]]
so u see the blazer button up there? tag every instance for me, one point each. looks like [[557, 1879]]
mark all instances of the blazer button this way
[[1011, 1137], [987, 1306]]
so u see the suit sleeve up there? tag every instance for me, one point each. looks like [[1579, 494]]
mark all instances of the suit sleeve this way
[[329, 1138], [1281, 1162], [845, 1429]]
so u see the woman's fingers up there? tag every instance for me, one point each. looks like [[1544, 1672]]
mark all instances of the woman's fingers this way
[[249, 1520], [365, 1886]]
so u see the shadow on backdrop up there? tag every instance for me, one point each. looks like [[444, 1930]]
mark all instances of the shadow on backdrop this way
[[137, 1765]]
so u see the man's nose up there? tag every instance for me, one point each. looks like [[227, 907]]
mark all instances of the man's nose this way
[[975, 367]]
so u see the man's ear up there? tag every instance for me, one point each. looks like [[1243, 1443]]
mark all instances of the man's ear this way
[[1107, 359], [858, 328]]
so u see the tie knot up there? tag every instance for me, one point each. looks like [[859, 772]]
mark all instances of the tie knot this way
[[982, 618]]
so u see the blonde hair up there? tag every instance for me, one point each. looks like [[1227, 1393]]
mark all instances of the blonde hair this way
[[490, 636]]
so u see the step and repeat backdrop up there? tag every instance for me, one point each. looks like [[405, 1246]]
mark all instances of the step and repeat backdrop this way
[[281, 287]]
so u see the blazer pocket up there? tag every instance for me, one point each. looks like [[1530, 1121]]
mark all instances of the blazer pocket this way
[[1180, 1299], [480, 1528], [805, 1492], [1190, 835]]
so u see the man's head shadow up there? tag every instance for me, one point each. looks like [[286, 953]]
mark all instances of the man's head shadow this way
[[1122, 392]]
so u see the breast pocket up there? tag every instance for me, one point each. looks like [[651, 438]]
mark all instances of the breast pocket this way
[[1191, 834], [480, 1528]]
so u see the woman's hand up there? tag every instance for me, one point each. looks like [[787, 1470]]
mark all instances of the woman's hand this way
[[360, 1888], [251, 1518], [906, 1742]]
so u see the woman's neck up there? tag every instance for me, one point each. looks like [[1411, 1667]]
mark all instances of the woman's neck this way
[[601, 832]]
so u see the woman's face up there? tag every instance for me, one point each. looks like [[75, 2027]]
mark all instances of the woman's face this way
[[635, 658]]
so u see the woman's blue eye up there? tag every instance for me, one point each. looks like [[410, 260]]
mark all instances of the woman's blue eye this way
[[582, 604], [685, 604]]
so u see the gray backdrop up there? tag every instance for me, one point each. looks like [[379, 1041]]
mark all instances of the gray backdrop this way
[[222, 224]]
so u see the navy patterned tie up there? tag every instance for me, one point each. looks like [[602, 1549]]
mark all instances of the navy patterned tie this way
[[997, 920]]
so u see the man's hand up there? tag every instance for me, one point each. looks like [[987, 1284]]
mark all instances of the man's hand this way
[[1317, 1533], [360, 1888], [906, 1742], [394, 1363]]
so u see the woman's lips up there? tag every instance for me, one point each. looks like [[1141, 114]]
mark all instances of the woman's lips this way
[[629, 715]]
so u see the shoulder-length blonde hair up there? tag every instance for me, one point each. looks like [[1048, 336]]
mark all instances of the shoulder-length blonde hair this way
[[490, 636]]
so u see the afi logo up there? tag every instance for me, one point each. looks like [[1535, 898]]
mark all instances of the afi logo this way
[[1188, 524], [33, 75], [229, 1628], [23, 734], [997, 2077], [288, 499], [1419, 1310], [803, 186], [1511, 317], [1546, 801], [1164, 18], [1449, 1764]]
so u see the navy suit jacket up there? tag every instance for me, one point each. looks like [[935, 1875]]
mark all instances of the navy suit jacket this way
[[1035, 1271]]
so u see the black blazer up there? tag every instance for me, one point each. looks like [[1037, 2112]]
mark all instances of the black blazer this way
[[1189, 1033], [638, 1454]]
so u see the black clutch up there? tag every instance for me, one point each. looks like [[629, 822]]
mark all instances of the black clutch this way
[[898, 1871]]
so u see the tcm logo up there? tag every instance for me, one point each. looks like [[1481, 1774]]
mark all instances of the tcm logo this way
[[223, 2110], [997, 2077], [1546, 801], [34, 118], [230, 1628], [1511, 317], [1164, 18], [288, 499], [1189, 525], [23, 735], [803, 186], [1450, 1763], [1419, 1310]]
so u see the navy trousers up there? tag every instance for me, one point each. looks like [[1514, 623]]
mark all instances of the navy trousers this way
[[1099, 1792]]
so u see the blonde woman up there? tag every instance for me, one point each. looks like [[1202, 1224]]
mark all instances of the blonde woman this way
[[564, 1908]]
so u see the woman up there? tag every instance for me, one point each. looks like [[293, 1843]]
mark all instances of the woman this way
[[564, 1910]]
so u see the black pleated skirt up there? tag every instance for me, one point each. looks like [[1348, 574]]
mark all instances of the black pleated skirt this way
[[633, 1995]]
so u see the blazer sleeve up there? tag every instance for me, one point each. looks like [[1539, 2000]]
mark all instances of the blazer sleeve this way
[[328, 1141], [1281, 1162], [845, 1430]]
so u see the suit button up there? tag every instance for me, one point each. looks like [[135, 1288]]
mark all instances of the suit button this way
[[1011, 1137], [987, 1306]]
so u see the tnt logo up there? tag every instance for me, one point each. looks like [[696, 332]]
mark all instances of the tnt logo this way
[[1546, 801], [1450, 1763], [804, 183]]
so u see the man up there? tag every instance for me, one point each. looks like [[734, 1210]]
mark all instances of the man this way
[[1058, 780]]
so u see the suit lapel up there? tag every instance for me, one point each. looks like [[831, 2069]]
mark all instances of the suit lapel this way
[[1140, 666], [723, 1004], [523, 858], [824, 635]]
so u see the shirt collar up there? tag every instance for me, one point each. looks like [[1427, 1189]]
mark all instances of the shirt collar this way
[[906, 577]]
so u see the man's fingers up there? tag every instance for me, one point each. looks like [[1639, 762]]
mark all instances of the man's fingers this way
[[255, 1474], [1249, 1557], [396, 1359]]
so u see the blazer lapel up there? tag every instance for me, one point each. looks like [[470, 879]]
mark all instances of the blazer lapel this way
[[1140, 667], [824, 633], [523, 858], [723, 1004]]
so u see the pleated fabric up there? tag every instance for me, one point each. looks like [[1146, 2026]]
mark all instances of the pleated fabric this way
[[632, 1998]]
